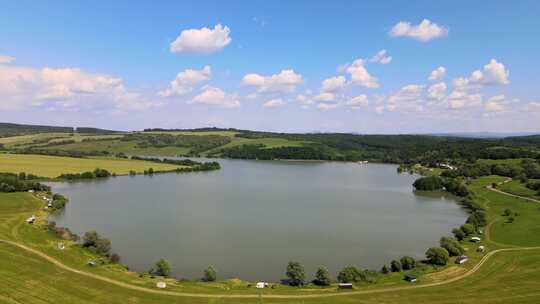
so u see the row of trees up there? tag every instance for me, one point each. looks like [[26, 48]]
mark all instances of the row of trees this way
[[97, 173], [434, 183], [99, 245], [163, 268], [11, 182]]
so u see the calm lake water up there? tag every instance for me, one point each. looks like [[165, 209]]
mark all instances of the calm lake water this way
[[251, 217]]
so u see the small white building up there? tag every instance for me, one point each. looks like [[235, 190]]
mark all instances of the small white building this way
[[462, 259], [161, 285], [31, 219], [481, 248], [30, 191], [475, 239], [345, 286], [261, 285]]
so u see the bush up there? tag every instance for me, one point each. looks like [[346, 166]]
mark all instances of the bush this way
[[385, 269], [395, 266], [430, 183], [350, 274], [322, 277], [468, 229], [210, 274], [458, 234], [452, 245], [437, 256], [163, 268], [115, 258], [407, 263], [295, 273]]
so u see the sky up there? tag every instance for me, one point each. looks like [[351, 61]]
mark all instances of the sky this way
[[287, 66]]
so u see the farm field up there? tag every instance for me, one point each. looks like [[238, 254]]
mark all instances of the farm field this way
[[53, 166]]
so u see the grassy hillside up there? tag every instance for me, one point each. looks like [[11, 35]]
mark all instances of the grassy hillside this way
[[53, 166]]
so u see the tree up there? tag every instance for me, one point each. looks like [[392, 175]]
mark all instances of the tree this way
[[210, 274], [437, 256], [430, 183], [103, 246], [350, 274], [458, 233], [115, 258], [163, 268], [395, 266], [385, 269], [322, 277], [295, 273], [452, 245], [468, 229], [407, 262], [507, 212], [90, 238]]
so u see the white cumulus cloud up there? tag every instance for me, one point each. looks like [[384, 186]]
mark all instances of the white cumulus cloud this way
[[202, 41], [437, 74], [6, 59], [381, 58], [493, 73], [424, 31], [496, 104], [285, 81], [333, 84], [358, 101], [360, 75], [66, 88], [274, 103], [216, 97], [437, 91], [185, 81]]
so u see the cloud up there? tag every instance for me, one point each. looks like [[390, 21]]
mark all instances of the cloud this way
[[406, 99], [437, 74], [358, 101], [533, 106], [327, 106], [185, 81], [304, 100], [202, 41], [360, 75], [424, 31], [458, 99], [333, 84], [66, 88], [381, 58], [437, 91], [274, 103], [493, 73], [325, 97], [286, 81], [496, 104], [6, 59], [216, 97]]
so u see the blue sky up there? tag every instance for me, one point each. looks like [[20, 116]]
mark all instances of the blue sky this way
[[111, 65]]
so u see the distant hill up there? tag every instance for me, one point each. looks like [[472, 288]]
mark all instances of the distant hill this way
[[11, 129], [485, 134]]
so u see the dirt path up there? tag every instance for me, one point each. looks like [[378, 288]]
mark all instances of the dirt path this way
[[270, 296], [513, 195]]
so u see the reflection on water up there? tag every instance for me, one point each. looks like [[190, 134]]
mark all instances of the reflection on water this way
[[251, 217]]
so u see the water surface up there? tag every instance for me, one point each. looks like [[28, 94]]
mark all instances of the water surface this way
[[251, 217]]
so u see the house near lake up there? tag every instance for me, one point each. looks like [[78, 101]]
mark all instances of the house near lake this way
[[411, 278], [462, 259], [345, 286]]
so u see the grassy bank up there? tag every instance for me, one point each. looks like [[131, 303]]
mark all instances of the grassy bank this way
[[53, 166]]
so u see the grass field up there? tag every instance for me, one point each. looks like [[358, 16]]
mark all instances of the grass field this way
[[53, 166], [506, 277], [518, 188]]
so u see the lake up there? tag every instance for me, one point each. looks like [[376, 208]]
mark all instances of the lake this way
[[251, 217]]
